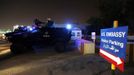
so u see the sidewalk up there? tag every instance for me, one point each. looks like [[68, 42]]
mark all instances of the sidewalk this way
[[88, 65], [60, 64], [129, 70]]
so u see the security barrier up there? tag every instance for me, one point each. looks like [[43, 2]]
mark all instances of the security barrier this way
[[85, 46]]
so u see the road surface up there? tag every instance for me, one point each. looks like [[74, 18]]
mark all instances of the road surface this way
[[52, 63]]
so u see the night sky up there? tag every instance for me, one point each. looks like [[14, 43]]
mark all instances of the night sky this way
[[61, 11]]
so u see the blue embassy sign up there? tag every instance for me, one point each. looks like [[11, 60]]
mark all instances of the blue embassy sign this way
[[114, 41]]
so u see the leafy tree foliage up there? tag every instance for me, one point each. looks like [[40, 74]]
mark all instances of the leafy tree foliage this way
[[121, 10], [95, 25]]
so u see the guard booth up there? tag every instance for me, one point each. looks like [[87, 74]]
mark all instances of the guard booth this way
[[76, 34]]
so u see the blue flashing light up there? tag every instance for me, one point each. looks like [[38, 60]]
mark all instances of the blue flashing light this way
[[29, 28], [69, 26], [33, 31]]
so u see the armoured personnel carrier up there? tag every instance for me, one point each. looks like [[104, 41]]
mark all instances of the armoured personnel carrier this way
[[26, 37]]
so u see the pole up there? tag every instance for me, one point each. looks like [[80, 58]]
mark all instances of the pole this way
[[115, 25]]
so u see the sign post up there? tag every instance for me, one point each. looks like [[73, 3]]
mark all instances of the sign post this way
[[115, 25], [113, 46]]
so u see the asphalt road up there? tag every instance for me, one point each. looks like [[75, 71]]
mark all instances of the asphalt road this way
[[47, 62], [50, 62], [4, 50]]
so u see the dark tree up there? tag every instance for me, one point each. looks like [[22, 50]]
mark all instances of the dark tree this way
[[95, 24], [110, 10], [130, 14], [121, 10]]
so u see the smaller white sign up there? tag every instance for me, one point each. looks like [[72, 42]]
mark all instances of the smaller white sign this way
[[93, 35]]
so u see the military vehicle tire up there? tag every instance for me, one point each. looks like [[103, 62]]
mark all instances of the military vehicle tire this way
[[18, 48], [60, 47]]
